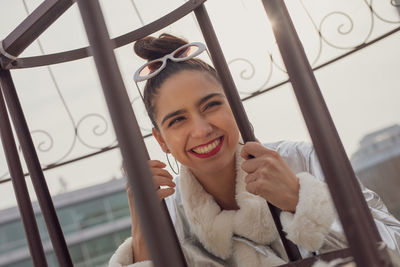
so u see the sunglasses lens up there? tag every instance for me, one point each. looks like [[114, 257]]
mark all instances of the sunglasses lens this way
[[186, 51], [150, 68]]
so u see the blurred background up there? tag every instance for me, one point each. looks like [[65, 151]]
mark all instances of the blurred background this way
[[352, 46]]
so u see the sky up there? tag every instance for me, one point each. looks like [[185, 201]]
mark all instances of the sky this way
[[361, 90]]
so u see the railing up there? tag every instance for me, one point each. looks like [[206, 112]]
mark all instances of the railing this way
[[84, 131], [160, 236]]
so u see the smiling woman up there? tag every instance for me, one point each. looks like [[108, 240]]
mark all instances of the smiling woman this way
[[201, 118], [218, 202]]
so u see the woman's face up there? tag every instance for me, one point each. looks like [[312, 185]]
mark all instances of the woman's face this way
[[195, 121]]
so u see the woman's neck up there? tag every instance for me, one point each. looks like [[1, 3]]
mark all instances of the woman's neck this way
[[221, 185]]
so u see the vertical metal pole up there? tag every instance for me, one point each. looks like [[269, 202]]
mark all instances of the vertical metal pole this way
[[363, 237], [20, 188], [35, 170], [237, 108], [154, 220]]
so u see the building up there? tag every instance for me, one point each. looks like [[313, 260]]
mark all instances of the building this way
[[95, 220], [377, 164]]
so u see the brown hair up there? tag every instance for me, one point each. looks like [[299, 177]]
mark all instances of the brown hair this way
[[151, 48]]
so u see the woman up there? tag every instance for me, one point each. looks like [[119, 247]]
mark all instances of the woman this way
[[219, 208]]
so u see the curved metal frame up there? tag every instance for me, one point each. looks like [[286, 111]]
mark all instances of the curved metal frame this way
[[255, 94], [164, 245], [47, 144], [175, 15]]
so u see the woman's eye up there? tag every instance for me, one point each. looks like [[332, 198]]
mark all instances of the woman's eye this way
[[212, 104], [175, 120]]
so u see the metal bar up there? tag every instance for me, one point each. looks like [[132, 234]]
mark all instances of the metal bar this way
[[31, 27], [237, 108], [343, 185], [180, 12], [35, 170], [20, 188], [154, 220], [53, 166]]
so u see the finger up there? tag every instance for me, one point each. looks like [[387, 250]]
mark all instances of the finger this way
[[255, 149], [156, 164], [131, 203], [252, 165], [163, 181], [250, 149], [252, 188], [161, 172], [251, 178], [128, 192], [165, 192]]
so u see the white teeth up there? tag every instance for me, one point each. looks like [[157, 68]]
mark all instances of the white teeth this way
[[207, 149]]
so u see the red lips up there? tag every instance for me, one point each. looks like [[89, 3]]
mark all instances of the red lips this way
[[212, 152]]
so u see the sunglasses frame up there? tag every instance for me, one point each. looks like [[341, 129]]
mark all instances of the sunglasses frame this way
[[138, 78]]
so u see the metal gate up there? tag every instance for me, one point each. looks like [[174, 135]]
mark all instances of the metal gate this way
[[160, 236]]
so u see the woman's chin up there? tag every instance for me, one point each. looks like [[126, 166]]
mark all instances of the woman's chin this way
[[214, 165]]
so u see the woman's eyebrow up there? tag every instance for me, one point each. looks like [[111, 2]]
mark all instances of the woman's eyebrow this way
[[172, 114], [207, 97], [199, 103]]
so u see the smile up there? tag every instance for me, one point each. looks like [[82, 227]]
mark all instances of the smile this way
[[209, 149]]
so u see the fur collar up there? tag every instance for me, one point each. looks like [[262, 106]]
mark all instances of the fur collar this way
[[215, 227]]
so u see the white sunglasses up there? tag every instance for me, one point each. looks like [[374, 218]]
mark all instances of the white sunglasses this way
[[152, 68]]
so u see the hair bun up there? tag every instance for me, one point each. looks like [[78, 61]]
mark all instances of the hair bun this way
[[151, 48]]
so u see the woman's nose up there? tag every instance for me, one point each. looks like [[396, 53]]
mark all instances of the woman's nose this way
[[201, 128]]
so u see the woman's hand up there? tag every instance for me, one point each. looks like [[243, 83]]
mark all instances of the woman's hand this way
[[161, 177], [269, 176]]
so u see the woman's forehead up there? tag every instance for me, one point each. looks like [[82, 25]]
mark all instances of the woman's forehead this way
[[185, 89], [188, 85]]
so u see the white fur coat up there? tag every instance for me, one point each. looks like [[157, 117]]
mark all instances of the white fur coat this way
[[245, 237]]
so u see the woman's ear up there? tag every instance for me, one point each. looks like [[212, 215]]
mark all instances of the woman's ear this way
[[160, 140]]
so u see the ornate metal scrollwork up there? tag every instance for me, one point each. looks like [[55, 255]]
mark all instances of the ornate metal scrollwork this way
[[336, 31], [98, 129]]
